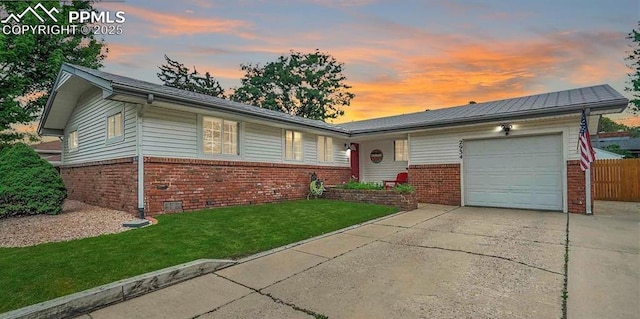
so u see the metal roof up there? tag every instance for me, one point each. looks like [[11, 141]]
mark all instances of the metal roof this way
[[569, 101]]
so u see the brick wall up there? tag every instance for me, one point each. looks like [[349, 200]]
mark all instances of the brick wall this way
[[436, 183], [208, 183], [382, 197], [111, 184], [576, 188]]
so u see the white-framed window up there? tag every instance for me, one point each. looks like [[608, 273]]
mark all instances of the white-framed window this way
[[219, 136], [72, 140], [115, 127], [292, 145], [401, 150], [325, 149]]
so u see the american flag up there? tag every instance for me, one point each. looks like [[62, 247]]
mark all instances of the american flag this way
[[587, 155]]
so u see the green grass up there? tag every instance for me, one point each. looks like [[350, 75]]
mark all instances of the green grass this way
[[34, 274]]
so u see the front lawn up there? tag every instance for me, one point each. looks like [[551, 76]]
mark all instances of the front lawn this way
[[34, 274]]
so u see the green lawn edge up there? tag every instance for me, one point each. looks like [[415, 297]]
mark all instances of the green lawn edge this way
[[34, 274]]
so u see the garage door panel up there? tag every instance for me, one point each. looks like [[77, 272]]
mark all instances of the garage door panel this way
[[519, 172]]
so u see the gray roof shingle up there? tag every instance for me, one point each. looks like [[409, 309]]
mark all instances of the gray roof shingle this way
[[213, 102]]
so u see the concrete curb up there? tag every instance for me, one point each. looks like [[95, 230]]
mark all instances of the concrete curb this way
[[90, 299], [285, 247]]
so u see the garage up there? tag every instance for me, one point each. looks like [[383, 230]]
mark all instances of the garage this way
[[515, 172]]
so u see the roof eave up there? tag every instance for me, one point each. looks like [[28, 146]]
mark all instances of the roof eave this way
[[613, 105], [105, 85], [142, 93]]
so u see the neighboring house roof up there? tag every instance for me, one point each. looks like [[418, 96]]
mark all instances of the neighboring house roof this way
[[51, 151], [603, 154], [614, 134], [632, 144], [600, 99], [48, 147]]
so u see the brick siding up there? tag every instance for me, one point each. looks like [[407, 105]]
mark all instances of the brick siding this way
[[209, 183], [382, 197], [576, 188], [436, 183], [111, 184]]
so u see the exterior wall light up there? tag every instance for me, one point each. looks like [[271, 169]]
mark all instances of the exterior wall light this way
[[506, 128]]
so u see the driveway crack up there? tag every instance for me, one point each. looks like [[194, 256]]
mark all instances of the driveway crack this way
[[270, 296], [478, 254]]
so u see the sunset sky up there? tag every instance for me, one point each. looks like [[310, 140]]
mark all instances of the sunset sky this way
[[399, 56]]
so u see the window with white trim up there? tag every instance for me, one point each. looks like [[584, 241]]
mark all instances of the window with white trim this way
[[401, 150], [292, 145], [114, 126], [325, 149], [219, 136], [72, 140]]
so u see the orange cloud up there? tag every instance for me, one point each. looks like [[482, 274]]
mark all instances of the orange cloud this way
[[119, 52], [456, 74]]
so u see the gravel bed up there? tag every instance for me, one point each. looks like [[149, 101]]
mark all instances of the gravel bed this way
[[77, 220]]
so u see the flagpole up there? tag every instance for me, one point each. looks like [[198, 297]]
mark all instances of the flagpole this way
[[587, 183], [587, 172]]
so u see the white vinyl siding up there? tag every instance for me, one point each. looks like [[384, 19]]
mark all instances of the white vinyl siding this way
[[169, 133], [88, 119], [292, 145], [401, 150], [262, 143], [387, 169], [443, 146], [325, 149]]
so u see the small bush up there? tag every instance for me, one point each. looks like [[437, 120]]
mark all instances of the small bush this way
[[28, 184], [352, 184], [404, 188]]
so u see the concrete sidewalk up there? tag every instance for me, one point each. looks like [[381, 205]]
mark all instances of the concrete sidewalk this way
[[604, 262]]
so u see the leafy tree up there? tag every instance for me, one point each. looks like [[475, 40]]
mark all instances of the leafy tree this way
[[177, 75], [29, 63], [615, 148], [608, 125], [634, 76], [304, 84]]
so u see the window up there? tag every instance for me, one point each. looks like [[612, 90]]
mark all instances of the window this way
[[293, 145], [325, 149], [72, 141], [401, 148], [219, 136], [114, 126]]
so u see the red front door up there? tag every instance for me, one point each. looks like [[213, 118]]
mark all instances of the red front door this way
[[355, 161]]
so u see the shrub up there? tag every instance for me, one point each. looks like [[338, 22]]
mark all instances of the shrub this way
[[28, 184], [352, 184], [404, 188]]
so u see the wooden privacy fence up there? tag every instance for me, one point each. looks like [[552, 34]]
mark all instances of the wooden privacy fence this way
[[617, 179]]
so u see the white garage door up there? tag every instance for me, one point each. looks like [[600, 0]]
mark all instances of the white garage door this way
[[518, 172]]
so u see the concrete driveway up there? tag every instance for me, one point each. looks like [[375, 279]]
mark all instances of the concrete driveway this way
[[434, 262]]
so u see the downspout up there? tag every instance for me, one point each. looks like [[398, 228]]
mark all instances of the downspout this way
[[140, 155]]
